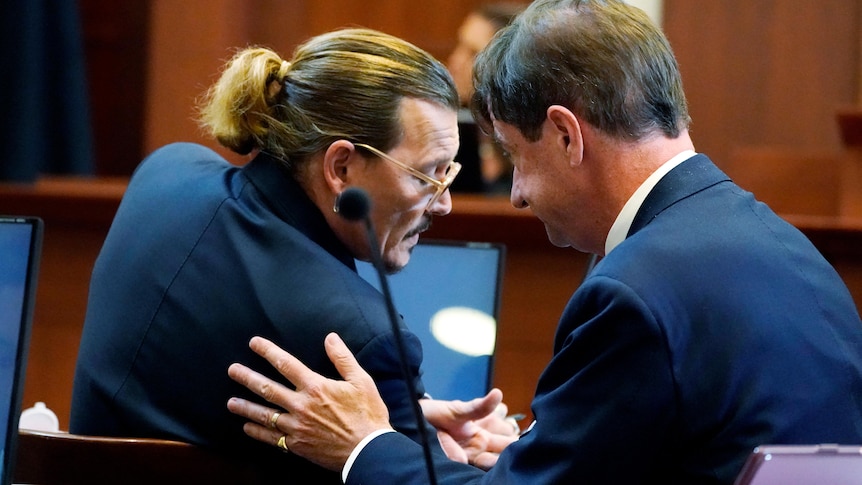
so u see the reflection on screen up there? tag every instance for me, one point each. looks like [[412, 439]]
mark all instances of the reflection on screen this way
[[447, 296], [14, 250]]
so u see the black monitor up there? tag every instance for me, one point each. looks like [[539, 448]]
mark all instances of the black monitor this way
[[20, 248], [449, 297]]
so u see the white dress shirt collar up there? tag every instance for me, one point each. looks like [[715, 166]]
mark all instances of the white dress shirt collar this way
[[622, 224]]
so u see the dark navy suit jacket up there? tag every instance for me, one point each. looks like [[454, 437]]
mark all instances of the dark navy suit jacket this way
[[201, 256], [714, 327]]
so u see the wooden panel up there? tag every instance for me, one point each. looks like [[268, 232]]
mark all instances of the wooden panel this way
[[149, 60], [850, 126], [790, 181], [851, 183], [63, 458], [756, 73], [189, 42], [115, 44], [820, 183], [770, 72]]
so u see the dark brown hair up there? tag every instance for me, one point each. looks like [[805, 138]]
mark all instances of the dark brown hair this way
[[603, 59]]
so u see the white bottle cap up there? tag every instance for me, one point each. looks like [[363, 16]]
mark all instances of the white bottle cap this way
[[39, 418]]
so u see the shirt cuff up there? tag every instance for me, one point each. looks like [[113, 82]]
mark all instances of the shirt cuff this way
[[355, 453]]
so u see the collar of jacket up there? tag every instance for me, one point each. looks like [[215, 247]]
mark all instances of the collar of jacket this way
[[290, 203], [691, 176]]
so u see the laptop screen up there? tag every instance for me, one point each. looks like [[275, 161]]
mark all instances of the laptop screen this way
[[803, 464], [20, 246], [449, 296]]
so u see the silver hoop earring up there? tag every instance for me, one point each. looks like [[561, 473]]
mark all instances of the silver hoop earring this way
[[337, 203]]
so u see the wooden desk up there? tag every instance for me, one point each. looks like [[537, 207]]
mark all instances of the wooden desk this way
[[538, 278]]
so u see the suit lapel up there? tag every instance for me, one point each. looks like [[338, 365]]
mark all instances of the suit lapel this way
[[690, 177]]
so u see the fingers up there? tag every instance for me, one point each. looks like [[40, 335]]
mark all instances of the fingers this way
[[488, 412], [251, 411], [492, 403], [323, 419], [287, 365], [261, 433], [261, 385], [480, 407], [485, 460], [481, 450], [498, 421], [507, 427], [451, 447], [498, 442], [259, 426], [344, 361]]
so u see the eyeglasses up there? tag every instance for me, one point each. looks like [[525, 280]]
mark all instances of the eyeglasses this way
[[451, 172]]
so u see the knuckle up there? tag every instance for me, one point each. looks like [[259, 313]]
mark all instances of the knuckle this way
[[282, 364], [267, 391], [314, 390]]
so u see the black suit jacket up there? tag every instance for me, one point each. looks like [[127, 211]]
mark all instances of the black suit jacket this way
[[202, 256]]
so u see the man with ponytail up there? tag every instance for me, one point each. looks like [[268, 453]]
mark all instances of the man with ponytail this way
[[203, 255]]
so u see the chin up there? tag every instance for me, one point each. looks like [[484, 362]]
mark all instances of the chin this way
[[392, 267], [397, 258], [556, 238]]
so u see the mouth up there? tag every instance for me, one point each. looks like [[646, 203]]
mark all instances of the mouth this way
[[423, 226]]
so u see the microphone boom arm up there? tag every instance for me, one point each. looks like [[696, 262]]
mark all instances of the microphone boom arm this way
[[354, 204]]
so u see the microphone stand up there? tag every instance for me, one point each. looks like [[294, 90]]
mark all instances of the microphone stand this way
[[359, 199]]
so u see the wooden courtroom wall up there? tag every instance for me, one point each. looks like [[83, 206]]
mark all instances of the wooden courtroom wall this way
[[766, 72], [150, 59], [769, 72]]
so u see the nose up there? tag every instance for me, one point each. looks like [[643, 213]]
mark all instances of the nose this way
[[443, 204], [515, 196]]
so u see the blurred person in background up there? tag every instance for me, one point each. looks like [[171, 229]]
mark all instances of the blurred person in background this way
[[485, 168]]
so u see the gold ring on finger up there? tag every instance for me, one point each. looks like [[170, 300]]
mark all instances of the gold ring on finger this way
[[273, 420], [282, 444]]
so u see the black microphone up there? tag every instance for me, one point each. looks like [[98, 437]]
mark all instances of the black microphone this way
[[355, 205]]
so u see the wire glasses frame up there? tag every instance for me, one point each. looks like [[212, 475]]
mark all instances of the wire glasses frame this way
[[452, 171]]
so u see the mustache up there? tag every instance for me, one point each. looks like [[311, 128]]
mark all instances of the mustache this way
[[423, 226]]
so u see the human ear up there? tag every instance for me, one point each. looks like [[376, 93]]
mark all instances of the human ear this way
[[339, 165], [566, 127]]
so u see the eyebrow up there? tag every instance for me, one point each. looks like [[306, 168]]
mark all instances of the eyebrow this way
[[439, 161]]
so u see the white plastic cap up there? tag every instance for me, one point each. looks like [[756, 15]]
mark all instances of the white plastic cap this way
[[39, 418]]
